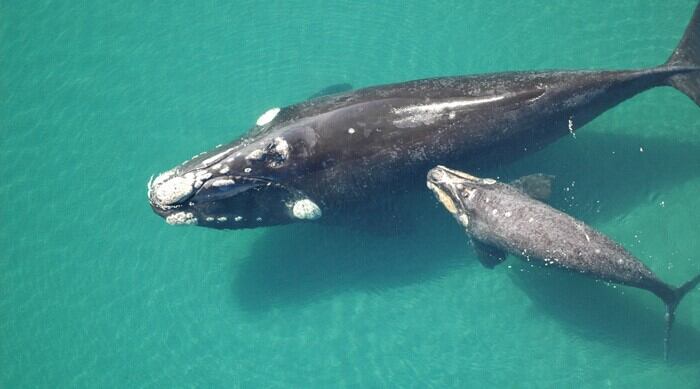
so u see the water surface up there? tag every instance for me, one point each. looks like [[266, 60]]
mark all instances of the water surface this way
[[96, 291]]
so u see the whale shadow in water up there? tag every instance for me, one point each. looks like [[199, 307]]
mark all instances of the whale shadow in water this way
[[601, 176], [619, 316], [297, 264]]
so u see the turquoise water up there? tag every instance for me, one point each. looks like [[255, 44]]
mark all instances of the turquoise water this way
[[97, 291]]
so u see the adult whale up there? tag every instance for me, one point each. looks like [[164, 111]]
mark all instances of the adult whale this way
[[323, 156], [502, 219]]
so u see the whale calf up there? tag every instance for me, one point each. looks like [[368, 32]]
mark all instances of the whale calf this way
[[320, 158], [502, 219]]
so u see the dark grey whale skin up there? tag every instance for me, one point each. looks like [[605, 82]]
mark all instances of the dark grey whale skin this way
[[502, 219], [330, 165], [343, 151]]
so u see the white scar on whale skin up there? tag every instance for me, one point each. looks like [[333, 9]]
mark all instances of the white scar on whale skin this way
[[438, 107], [429, 113], [267, 117]]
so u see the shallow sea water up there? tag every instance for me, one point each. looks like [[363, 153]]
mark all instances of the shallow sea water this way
[[97, 291]]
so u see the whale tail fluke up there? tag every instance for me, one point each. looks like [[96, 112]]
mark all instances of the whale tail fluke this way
[[672, 300], [687, 57]]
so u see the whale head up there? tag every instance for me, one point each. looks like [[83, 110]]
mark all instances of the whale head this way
[[460, 193], [245, 184]]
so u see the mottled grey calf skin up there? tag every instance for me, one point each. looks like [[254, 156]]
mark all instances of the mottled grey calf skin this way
[[502, 219]]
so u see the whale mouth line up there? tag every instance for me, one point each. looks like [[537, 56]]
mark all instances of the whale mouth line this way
[[443, 198], [235, 202], [225, 187], [451, 173], [168, 191]]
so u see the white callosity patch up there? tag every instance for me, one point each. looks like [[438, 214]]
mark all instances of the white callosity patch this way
[[181, 218], [306, 209], [276, 152], [171, 190], [162, 178], [418, 114], [464, 220], [571, 126], [281, 147], [488, 181], [223, 182], [215, 158], [255, 154], [224, 170], [200, 177], [267, 117]]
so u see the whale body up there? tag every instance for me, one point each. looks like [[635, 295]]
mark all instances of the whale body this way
[[321, 158], [502, 219]]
